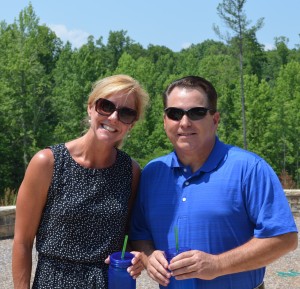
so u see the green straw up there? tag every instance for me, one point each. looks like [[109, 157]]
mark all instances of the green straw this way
[[176, 239], [124, 246]]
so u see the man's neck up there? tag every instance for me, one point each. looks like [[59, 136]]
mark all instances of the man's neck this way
[[195, 159]]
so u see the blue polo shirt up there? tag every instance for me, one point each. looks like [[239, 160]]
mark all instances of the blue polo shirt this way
[[234, 196]]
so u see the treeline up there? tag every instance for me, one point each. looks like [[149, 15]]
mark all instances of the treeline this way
[[44, 86]]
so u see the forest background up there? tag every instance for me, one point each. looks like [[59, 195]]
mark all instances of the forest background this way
[[45, 83]]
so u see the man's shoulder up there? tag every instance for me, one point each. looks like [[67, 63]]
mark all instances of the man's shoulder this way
[[245, 159], [242, 154], [235, 153]]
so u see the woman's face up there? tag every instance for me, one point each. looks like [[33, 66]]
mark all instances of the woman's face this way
[[109, 128]]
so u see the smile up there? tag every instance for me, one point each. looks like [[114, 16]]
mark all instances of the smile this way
[[186, 134], [108, 128]]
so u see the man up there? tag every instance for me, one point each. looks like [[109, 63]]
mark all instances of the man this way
[[226, 203]]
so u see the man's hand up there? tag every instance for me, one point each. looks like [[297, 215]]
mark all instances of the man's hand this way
[[194, 264], [157, 268]]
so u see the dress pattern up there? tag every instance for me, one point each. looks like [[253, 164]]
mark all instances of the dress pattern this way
[[83, 222]]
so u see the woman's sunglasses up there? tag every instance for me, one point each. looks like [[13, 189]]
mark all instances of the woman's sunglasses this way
[[194, 113], [125, 114]]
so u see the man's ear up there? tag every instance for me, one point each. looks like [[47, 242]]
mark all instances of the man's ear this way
[[164, 121], [216, 118]]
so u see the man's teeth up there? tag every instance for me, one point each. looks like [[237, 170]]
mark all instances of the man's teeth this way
[[108, 128]]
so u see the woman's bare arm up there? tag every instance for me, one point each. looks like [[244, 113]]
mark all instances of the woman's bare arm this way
[[31, 200]]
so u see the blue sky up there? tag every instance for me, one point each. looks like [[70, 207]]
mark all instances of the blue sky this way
[[172, 23]]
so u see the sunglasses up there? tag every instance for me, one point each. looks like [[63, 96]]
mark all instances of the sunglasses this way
[[125, 114], [194, 113]]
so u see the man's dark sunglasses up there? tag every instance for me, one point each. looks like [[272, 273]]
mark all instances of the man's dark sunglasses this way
[[125, 114], [194, 113]]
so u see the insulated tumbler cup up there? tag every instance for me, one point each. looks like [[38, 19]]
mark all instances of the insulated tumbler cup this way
[[179, 284], [118, 277]]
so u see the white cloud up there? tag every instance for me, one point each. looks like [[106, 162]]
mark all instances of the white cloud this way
[[76, 37], [269, 46], [185, 45]]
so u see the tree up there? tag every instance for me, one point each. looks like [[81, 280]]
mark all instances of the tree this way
[[189, 58], [232, 13], [255, 57], [222, 72], [284, 128], [259, 108], [28, 55], [118, 42], [277, 57], [144, 71], [75, 72]]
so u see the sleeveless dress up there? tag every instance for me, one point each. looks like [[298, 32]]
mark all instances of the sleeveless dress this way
[[83, 222]]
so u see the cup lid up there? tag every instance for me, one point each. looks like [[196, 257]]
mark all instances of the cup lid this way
[[116, 259], [172, 252]]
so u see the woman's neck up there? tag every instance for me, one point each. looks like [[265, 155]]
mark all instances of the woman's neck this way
[[91, 154]]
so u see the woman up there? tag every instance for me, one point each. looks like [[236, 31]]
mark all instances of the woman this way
[[76, 197]]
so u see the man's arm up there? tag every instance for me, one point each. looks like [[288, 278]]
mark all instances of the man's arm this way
[[145, 246], [257, 253], [254, 254]]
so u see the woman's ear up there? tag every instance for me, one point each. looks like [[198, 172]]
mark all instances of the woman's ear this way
[[89, 110]]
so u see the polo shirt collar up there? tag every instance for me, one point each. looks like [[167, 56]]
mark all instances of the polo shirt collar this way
[[216, 156]]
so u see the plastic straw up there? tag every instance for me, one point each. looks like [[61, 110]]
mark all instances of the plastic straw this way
[[124, 246], [176, 239]]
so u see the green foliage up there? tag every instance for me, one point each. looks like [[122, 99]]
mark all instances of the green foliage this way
[[233, 14], [284, 129], [28, 54], [258, 102], [44, 87]]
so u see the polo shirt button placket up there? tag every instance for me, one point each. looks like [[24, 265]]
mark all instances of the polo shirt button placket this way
[[184, 197]]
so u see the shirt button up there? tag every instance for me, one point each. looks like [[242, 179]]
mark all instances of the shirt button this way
[[187, 183], [185, 170], [183, 199]]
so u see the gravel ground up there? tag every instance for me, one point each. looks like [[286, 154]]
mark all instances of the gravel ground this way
[[282, 274]]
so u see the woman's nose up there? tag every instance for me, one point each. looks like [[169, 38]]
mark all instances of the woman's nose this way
[[114, 116]]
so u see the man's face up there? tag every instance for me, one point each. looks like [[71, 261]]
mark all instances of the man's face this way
[[191, 136]]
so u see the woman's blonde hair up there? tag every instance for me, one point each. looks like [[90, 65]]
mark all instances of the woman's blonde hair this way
[[125, 84]]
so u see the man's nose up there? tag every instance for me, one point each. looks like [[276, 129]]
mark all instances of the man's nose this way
[[185, 121]]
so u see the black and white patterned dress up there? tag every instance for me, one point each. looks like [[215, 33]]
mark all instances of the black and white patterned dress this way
[[83, 222]]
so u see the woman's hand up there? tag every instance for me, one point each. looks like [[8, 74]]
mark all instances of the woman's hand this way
[[137, 265]]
